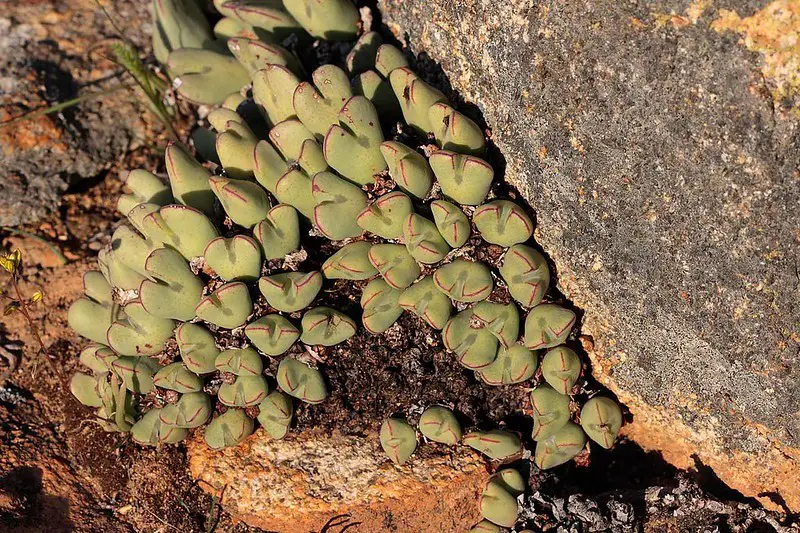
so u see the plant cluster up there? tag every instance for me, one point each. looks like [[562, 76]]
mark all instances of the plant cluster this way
[[205, 283]]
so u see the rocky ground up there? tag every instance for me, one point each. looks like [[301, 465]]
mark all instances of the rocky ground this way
[[59, 182]]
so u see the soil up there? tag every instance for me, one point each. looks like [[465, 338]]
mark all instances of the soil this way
[[60, 472]]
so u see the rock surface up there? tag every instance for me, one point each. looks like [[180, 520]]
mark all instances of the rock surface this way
[[302, 482], [49, 54], [658, 143]]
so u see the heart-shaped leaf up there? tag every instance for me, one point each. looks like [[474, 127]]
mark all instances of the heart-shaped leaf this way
[[191, 411], [498, 506], [275, 414], [381, 310], [408, 168], [427, 302], [475, 347], [272, 334], [144, 188], [423, 240], [245, 202], [279, 233], [385, 216], [227, 307], [350, 262], [439, 424], [317, 106], [464, 281], [272, 90], [139, 332], [455, 131], [514, 364], [291, 291], [240, 361], [188, 179], [197, 347], [301, 381], [496, 444], [398, 440], [326, 327], [205, 76], [415, 97], [526, 273], [245, 391], [237, 258], [601, 419], [394, 264], [550, 411], [560, 447], [561, 368], [503, 223], [548, 325], [294, 189], [297, 144], [228, 429], [452, 223], [173, 290], [465, 179], [178, 378], [352, 147], [502, 320], [338, 204]]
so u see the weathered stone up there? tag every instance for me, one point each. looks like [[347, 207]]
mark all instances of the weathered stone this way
[[660, 154], [300, 482]]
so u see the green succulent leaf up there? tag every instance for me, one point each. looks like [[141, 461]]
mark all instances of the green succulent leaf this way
[[246, 391], [139, 332], [394, 264], [294, 188], [198, 348], [234, 144], [240, 361], [455, 131], [526, 273], [338, 204], [301, 381], [275, 414], [464, 281], [548, 325], [388, 58], [272, 334], [136, 373], [273, 88], [503, 222], [550, 411], [439, 424], [191, 411], [178, 378], [408, 168], [511, 481], [150, 431], [514, 364], [317, 106], [362, 57], [560, 447], [332, 20], [561, 368], [398, 440], [182, 228], [385, 216], [601, 419], [205, 76], [352, 146], [228, 429], [269, 165], [498, 506], [297, 144], [82, 386], [326, 327], [234, 259], [466, 179], [178, 25], [146, 188], [98, 358], [474, 346], [90, 316], [502, 320], [381, 310], [496, 444], [451, 222], [188, 179], [350, 262], [227, 307], [415, 97], [484, 526], [256, 55], [372, 86], [291, 291], [245, 202], [423, 240], [172, 290], [427, 302], [269, 21], [279, 233]]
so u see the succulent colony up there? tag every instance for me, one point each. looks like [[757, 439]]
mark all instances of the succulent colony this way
[[206, 283]]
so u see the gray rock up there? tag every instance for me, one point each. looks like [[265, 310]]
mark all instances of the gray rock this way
[[662, 161]]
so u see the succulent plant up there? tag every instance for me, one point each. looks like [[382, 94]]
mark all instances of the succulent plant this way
[[560, 447], [395, 264], [498, 506], [503, 222], [300, 381], [423, 240], [451, 222], [550, 411], [496, 444], [275, 414], [380, 303], [454, 131], [526, 273], [408, 168], [475, 347], [561, 368], [464, 179], [228, 429], [186, 262], [398, 440], [427, 302], [291, 291], [327, 327], [439, 424], [547, 326], [464, 281], [386, 215], [513, 364], [601, 419]]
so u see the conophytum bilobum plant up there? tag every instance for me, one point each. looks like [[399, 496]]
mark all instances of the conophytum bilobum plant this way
[[213, 253]]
